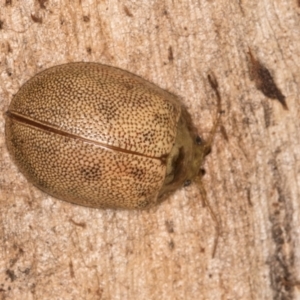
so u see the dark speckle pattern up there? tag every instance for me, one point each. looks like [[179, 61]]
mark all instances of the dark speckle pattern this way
[[98, 136], [84, 173], [103, 104]]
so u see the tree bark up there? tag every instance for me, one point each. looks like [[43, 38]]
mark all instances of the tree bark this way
[[51, 249]]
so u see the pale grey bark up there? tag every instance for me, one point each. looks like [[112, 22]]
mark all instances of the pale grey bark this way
[[55, 250]]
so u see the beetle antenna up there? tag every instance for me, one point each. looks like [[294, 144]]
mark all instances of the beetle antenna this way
[[214, 85], [212, 213]]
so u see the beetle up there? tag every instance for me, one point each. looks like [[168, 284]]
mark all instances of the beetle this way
[[102, 137]]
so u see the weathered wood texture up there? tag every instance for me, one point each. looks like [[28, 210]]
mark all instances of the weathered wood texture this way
[[50, 249]]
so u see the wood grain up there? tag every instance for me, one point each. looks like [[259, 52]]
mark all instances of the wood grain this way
[[50, 249]]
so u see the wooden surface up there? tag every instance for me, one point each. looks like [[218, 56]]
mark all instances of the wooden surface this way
[[50, 249]]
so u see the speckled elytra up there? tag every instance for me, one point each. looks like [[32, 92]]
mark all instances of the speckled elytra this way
[[102, 137]]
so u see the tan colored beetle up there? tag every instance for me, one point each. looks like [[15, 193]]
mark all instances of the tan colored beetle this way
[[102, 137]]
